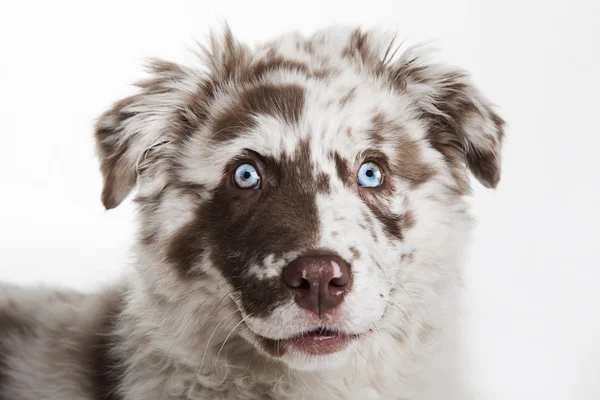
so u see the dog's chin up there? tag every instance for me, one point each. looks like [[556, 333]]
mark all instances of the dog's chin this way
[[304, 362]]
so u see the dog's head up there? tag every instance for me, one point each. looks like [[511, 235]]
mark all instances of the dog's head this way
[[317, 181]]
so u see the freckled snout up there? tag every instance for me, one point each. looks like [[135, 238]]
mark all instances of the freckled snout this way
[[319, 282]]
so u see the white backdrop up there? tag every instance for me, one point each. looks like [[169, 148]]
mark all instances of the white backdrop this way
[[534, 265]]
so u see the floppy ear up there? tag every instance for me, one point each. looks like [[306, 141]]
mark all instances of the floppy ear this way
[[136, 133], [461, 122]]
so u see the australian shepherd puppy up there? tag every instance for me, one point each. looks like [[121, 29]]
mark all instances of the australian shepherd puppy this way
[[302, 216]]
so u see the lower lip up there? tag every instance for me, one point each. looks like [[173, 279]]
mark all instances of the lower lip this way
[[315, 343]]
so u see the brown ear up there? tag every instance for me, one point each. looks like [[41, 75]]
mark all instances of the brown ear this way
[[462, 124], [133, 135], [116, 155]]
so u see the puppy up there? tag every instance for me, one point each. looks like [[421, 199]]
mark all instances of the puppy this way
[[302, 216]]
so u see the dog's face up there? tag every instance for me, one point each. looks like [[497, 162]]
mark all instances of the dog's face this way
[[318, 181]]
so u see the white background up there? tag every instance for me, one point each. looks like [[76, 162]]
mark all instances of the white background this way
[[533, 269]]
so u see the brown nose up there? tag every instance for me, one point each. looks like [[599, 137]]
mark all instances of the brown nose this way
[[320, 282]]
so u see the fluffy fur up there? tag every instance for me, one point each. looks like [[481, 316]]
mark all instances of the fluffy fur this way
[[204, 312]]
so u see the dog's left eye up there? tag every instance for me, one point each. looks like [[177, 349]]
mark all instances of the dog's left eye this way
[[370, 175], [246, 177]]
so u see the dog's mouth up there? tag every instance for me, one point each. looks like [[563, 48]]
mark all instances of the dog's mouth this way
[[320, 341]]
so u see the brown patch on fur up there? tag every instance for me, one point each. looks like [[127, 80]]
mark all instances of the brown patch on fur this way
[[275, 63], [408, 220], [485, 166], [231, 56], [283, 101], [309, 47], [390, 221], [343, 170], [106, 367], [355, 253], [243, 227], [116, 162], [408, 257], [323, 73], [119, 176], [378, 127], [357, 46], [348, 97], [408, 163], [322, 183], [186, 248], [458, 107], [367, 224]]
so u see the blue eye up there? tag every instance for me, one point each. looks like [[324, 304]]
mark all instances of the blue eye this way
[[246, 177], [370, 175]]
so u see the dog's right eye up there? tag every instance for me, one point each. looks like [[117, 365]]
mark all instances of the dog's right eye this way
[[246, 177]]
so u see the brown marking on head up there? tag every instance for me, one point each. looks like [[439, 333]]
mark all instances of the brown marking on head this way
[[228, 57], [186, 247], [322, 183], [282, 101], [243, 227], [366, 223], [408, 162], [120, 131], [343, 170], [462, 125], [378, 127], [391, 222], [358, 46], [408, 220], [324, 73], [276, 63], [309, 47]]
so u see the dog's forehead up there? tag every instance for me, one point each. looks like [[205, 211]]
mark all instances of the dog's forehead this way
[[344, 115]]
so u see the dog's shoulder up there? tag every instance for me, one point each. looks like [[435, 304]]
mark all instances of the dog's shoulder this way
[[54, 341]]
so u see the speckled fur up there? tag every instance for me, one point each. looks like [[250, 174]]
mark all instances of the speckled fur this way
[[180, 327]]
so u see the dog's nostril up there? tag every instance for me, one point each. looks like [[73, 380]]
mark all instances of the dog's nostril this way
[[305, 285], [319, 282]]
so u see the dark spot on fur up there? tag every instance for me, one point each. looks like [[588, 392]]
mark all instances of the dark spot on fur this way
[[108, 369], [280, 101], [390, 221], [408, 257], [343, 170], [367, 224], [408, 220], [355, 253], [348, 97], [323, 73], [378, 127], [408, 163], [457, 108], [277, 63], [243, 227], [186, 248], [322, 183], [357, 47]]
